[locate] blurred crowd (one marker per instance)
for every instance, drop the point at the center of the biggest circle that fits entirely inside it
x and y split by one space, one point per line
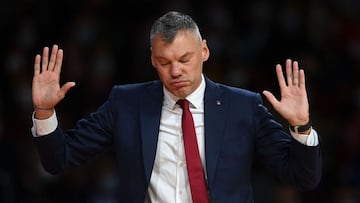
107 42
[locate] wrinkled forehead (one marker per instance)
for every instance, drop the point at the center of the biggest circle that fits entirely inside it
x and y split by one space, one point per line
183 44
183 35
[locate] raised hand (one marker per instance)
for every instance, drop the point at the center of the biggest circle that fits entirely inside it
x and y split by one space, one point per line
46 90
293 105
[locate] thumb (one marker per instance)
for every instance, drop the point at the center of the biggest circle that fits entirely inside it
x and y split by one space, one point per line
270 97
65 88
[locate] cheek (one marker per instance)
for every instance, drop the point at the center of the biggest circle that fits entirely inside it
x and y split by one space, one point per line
162 73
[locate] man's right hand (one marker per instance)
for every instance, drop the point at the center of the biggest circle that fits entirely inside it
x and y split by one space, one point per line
46 90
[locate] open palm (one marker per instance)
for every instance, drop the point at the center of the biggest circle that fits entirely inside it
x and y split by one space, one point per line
293 105
46 90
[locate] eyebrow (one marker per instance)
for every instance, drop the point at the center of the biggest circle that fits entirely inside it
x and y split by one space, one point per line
181 57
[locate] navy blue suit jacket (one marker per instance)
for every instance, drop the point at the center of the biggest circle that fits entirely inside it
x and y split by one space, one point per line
237 131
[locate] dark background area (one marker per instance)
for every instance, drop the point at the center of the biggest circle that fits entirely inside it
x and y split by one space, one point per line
107 42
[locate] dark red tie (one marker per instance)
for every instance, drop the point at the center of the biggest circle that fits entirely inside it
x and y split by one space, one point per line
195 170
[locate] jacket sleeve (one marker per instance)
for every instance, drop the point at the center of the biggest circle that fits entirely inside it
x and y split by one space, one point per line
286 158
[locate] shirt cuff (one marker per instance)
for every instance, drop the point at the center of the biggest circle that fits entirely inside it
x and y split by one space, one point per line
44 126
309 140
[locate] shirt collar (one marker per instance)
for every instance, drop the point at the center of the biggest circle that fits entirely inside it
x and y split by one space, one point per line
195 98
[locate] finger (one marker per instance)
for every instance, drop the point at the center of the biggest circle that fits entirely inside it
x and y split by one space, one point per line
53 57
289 74
65 88
280 76
37 65
295 73
45 59
302 79
59 59
271 98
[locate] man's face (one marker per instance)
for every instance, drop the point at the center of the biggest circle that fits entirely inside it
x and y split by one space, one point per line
179 64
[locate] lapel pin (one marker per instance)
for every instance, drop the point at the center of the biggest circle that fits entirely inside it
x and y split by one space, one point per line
218 102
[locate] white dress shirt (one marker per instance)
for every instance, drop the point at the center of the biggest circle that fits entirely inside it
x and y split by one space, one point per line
169 180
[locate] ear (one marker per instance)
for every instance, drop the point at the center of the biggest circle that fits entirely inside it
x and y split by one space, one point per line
152 58
205 51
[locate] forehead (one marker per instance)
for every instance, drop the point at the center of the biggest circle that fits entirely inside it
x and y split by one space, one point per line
184 42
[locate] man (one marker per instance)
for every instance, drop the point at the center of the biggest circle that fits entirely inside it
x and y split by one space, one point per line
142 122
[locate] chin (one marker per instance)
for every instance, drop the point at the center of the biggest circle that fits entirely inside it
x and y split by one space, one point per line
182 94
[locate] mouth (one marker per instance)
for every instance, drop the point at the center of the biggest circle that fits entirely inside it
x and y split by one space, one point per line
179 84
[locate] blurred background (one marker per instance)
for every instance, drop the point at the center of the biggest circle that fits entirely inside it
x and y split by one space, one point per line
107 42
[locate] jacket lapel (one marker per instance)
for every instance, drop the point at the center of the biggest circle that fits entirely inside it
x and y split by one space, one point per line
215 105
150 114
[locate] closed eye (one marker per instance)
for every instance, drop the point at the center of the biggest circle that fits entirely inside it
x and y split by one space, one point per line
164 64
184 61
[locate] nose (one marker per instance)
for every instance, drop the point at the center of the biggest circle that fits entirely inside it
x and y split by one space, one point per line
175 70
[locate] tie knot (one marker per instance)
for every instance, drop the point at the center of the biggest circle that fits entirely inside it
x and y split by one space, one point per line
184 104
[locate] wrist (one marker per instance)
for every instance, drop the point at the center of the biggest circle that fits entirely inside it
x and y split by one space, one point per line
43 113
301 129
43 108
